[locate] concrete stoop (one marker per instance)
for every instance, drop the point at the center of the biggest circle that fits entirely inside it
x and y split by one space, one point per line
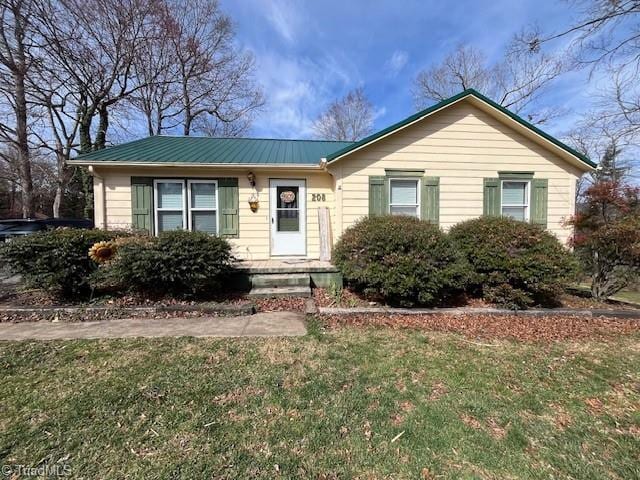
269 285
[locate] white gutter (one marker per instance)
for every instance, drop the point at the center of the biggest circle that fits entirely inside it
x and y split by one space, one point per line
232 166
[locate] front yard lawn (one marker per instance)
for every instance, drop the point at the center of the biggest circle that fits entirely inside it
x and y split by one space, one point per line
358 402
628 295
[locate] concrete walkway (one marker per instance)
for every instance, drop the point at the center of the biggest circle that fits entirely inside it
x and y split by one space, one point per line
272 324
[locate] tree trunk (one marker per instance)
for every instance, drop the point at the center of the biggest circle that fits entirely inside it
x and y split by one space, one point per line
22 141
187 122
597 278
149 123
61 177
103 126
158 121
12 200
86 146
84 128
57 200
187 108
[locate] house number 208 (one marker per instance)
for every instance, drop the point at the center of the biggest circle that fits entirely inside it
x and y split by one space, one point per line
318 197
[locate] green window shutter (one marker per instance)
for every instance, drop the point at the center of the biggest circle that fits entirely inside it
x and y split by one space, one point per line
491 197
377 196
539 194
228 198
142 204
430 200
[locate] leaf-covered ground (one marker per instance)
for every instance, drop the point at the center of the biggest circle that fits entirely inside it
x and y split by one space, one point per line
353 403
523 327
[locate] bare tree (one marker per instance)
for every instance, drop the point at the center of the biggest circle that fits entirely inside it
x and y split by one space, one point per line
608 146
605 32
15 62
58 135
348 119
96 43
217 91
91 46
69 68
156 72
192 75
605 37
515 82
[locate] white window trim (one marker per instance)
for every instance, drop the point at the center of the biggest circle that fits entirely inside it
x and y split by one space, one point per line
155 201
527 194
191 209
418 195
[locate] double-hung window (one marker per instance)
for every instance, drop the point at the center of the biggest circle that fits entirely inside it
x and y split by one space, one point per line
169 200
203 206
182 205
516 199
404 197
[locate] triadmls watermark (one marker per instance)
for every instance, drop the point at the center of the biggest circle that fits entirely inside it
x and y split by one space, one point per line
17 470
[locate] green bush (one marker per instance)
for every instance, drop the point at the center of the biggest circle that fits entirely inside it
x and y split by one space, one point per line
57 260
177 262
514 264
404 260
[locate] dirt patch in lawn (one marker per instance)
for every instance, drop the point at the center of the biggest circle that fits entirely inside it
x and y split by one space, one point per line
517 327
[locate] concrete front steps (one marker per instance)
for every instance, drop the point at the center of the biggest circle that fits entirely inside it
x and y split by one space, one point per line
269 285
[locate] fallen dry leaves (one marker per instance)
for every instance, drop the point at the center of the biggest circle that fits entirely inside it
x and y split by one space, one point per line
348 298
509 327
280 304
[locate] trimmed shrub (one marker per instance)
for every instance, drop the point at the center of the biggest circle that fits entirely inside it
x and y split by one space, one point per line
177 263
514 264
56 260
401 259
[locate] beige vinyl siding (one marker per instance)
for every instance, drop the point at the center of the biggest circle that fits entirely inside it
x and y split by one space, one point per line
254 228
462 145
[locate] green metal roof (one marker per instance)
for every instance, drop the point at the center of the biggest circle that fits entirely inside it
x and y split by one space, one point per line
208 150
267 151
449 101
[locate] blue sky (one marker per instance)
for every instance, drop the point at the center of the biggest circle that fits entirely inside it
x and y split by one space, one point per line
311 52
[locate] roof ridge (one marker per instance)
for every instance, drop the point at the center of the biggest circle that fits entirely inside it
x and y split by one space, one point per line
248 138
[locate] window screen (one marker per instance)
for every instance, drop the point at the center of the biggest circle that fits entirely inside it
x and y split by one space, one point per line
203 206
515 200
404 197
170 205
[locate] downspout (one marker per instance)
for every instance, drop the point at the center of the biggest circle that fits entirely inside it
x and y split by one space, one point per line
336 175
101 219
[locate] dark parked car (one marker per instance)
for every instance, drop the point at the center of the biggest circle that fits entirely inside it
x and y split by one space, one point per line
21 226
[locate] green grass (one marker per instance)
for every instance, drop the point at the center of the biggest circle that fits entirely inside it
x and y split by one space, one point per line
625 295
323 406
628 296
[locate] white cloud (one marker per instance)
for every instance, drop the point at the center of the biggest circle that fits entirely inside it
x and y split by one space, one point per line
379 112
397 61
297 89
284 18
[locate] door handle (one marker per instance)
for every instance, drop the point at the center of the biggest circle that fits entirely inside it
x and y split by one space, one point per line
272 220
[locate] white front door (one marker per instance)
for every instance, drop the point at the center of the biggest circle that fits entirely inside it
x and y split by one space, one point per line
288 217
